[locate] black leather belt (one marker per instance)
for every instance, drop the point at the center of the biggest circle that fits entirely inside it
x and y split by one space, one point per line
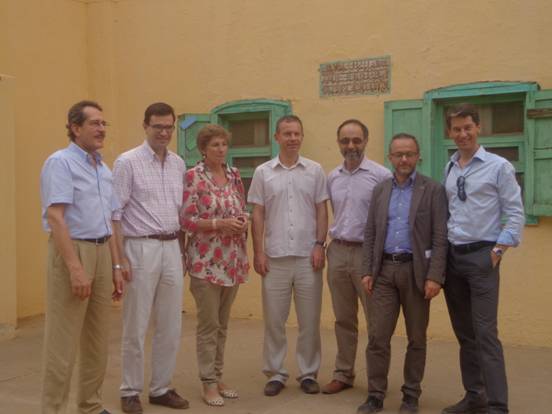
163 237
348 243
398 257
471 247
101 240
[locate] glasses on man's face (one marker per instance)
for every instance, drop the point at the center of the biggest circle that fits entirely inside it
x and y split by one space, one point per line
401 155
96 123
461 188
160 128
347 141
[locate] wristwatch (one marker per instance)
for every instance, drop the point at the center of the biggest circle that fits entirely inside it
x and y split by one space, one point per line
320 243
498 251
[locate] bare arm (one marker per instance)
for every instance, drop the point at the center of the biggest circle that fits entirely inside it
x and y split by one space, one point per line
317 255
80 281
260 261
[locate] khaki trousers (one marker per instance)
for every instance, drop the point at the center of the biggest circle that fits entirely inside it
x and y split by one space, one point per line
155 290
213 304
71 322
344 281
291 276
395 288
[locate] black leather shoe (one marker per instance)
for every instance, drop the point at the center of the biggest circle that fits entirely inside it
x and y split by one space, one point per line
372 405
310 386
409 405
273 388
467 406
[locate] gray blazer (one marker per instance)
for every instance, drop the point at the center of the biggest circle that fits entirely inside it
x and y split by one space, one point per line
428 230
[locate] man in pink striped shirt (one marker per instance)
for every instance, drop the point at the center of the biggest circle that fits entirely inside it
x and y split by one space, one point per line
149 181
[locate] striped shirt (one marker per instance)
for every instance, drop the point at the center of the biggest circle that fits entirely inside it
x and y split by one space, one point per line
149 191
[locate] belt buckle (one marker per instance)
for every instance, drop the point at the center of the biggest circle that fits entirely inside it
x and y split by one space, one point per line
395 257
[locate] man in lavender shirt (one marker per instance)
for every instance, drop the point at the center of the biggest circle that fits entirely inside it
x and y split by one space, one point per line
149 182
350 188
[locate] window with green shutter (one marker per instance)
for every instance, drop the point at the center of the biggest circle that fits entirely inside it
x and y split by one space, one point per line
252 124
516 121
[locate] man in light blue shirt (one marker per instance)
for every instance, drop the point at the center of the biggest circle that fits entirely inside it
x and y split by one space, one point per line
77 203
486 218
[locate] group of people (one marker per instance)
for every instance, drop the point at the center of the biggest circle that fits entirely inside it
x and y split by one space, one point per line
397 238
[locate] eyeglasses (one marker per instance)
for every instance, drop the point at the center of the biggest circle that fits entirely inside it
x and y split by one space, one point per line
347 141
96 123
400 155
158 128
461 184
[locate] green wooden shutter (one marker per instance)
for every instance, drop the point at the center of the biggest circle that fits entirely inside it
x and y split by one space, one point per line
538 195
409 116
188 128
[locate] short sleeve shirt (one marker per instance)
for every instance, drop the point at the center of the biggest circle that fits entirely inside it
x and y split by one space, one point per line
289 196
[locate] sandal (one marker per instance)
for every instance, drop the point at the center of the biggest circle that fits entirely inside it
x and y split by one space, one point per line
212 396
229 393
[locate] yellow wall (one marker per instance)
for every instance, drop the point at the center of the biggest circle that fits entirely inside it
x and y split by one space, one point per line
8 311
196 54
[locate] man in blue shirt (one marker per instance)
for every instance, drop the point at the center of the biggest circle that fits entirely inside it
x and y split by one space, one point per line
77 203
405 247
486 217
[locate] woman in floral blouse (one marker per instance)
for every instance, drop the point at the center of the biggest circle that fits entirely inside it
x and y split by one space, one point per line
215 218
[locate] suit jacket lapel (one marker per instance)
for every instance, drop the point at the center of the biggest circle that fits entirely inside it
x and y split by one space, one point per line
386 196
417 193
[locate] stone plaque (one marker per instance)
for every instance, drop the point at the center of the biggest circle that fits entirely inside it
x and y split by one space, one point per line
370 76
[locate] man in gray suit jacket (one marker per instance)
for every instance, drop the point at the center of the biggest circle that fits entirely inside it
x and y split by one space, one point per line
405 248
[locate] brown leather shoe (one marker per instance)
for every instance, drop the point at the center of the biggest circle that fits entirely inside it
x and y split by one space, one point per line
335 386
170 399
131 405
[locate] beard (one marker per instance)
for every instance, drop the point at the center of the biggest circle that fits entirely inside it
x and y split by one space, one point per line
352 155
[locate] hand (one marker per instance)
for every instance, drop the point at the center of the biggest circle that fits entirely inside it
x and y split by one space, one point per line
127 269
260 264
80 284
495 259
317 257
232 225
368 284
117 284
431 289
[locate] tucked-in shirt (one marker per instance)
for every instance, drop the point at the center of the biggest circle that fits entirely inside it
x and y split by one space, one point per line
493 198
212 255
70 177
397 237
289 196
350 194
149 190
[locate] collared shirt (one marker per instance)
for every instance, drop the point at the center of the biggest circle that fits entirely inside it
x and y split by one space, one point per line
397 238
289 196
69 177
493 195
214 256
150 191
350 194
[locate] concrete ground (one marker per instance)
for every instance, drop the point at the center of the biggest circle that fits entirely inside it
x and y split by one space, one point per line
529 374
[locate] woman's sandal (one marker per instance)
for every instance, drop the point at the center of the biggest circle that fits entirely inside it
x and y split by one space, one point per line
229 393
214 400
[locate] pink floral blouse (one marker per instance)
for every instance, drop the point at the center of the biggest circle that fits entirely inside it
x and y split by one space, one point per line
212 255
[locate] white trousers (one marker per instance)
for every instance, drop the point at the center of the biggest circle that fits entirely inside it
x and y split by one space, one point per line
291 276
156 289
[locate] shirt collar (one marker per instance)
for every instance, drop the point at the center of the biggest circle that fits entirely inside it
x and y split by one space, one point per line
75 149
276 162
481 154
409 181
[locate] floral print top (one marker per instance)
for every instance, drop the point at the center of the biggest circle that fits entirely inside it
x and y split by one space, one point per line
211 255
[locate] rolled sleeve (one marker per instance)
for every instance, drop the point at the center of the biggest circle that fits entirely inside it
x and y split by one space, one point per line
321 190
511 206
122 187
56 183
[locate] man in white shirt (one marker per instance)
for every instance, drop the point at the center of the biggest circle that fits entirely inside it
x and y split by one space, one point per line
290 221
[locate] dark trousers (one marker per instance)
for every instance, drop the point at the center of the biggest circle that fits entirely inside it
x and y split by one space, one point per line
394 288
471 291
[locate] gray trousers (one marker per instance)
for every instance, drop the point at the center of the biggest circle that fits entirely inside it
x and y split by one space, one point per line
344 273
471 291
394 288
